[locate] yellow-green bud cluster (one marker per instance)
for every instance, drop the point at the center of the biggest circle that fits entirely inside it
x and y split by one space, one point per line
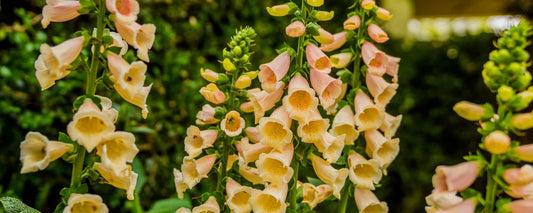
238 51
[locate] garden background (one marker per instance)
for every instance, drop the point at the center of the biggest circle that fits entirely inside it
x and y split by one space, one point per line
440 66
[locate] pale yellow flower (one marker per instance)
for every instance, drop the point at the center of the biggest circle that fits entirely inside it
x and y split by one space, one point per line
338 40
116 149
274 131
363 173
249 173
324 37
352 23
313 195
343 124
89 125
238 196
329 175
232 124
36 152
367 114
383 149
383 14
250 152
82 203
183 210
438 201
210 206
263 101
179 183
324 15
197 140
141 37
300 102
313 129
366 201
381 90
243 82
522 121
271 199
524 152
209 75
196 169
125 179
279 10
331 146
390 125
315 3
275 167
469 111
59 11
107 108
340 60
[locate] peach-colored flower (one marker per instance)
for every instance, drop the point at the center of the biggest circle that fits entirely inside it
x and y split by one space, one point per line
313 195
300 102
107 108
36 152
520 181
377 34
331 146
59 11
129 80
524 152
54 62
324 15
522 121
383 14
295 29
125 10
209 75
247 107
343 124
497 142
363 173
381 90
232 124
125 179
521 206
250 152
141 37
466 206
89 125
520 191
238 196
117 149
179 183
376 60
279 10
249 173
85 203
338 40
212 94
340 60
210 206
332 109
439 201
315 3
253 134
206 115
274 131
263 101
271 199
390 125
352 23
324 37
455 178
272 72
317 59
383 149
197 140
368 4
243 82
275 167
196 169
469 111
329 175
366 201
392 67
313 129
367 114
327 87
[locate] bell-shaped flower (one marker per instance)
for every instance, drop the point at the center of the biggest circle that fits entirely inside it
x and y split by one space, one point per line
327 87
521 206
317 59
253 134
179 183
295 29
332 109
363 173
141 37
129 81
313 129
524 152
366 201
275 130
85 203
206 115
210 206
232 124
455 178
197 140
125 179
313 195
376 60
125 10
338 40
238 196
340 60
243 82
381 90
275 167
324 37
466 206
392 67
439 201
520 191
250 152
368 4
329 175
315 3
249 173
352 23
263 101
469 111
324 15
390 125
212 94
209 75
54 62
89 125
343 124
520 181
383 14
522 121
117 149
367 115
36 152
195 169
300 102
59 11
271 199
272 72
497 142
383 149
279 10
330 146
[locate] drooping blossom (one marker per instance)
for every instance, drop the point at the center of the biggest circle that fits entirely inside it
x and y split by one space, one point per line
383 14
383 149
206 115
295 29
243 82
368 4
313 195
213 94
249 173
524 152
279 10
390 125
210 206
313 129
274 131
340 60
209 75
376 60
367 115
366 201
275 167
363 173
497 142
197 140
338 40
439 201
469 111
125 179
455 178
271 199
124 10
521 206
85 203
117 149
317 59
300 102
36 152
329 175
327 87
263 101
141 37
330 146
59 11
381 90
89 125
352 23
238 199
250 152
520 181
343 124
272 72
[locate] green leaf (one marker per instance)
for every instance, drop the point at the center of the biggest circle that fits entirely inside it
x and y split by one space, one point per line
65 138
141 178
142 129
170 205
14 205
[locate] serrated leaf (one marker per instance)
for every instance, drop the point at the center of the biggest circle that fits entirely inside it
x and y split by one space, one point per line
14 205
170 205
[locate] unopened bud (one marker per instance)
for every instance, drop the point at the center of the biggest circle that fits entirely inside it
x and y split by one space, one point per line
505 93
247 107
525 98
497 142
228 65
209 75
516 68
278 10
252 74
368 4
383 14
352 23
522 81
243 82
522 121
237 51
324 15
295 29
501 56
469 111
315 3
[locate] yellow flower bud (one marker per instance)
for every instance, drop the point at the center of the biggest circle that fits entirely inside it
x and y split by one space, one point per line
324 15
315 3
228 65
469 111
383 14
278 10
505 93
243 82
252 74
209 75
522 121
497 142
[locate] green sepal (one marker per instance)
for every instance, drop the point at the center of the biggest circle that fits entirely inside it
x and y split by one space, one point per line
220 112
472 193
87 6
312 28
502 205
222 79
79 101
292 7
489 112
345 75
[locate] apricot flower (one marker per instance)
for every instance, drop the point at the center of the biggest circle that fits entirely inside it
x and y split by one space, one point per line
271 199
352 23
249 173
295 29
524 152
89 125
313 195
383 14
125 179
141 37
327 87
232 124
390 125
381 90
521 206
212 94
367 114
324 37
383 149
275 167
455 178
313 129
272 72
263 101
196 169
376 60
274 131
250 152
238 196
125 10
331 146
338 40
36 152
343 124
209 75
197 140
85 203
329 175
363 173
116 149
59 11
210 206
366 201
300 102
206 115
317 59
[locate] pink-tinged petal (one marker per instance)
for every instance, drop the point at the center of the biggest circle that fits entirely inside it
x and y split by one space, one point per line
249 173
274 131
329 175
54 62
366 201
340 60
367 114
381 90
272 72
264 101
368 4
327 88
210 206
300 102
313 195
467 206
206 115
519 176
455 178
275 167
381 148
85 203
343 124
197 140
209 75
392 68
250 152
59 11
338 40
363 173
390 125
352 23
520 191
377 34
525 152
238 196
125 10
295 29
253 134
212 94
332 109
323 37
520 121
521 206
442 200
271 199
317 59
116 149
383 14
376 60
141 37
331 146
247 107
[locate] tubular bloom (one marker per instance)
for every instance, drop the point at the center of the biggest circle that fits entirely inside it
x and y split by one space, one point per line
343 124
455 178
125 10
368 202
271 199
313 195
295 29
89 125
317 59
376 60
390 125
525 152
85 203
238 196
300 102
329 175
331 146
197 140
497 142
232 124
363 173
381 148
279 10
312 130
275 167
520 181
274 131
340 60
206 115
36 152
263 101
249 173
352 23
381 90
324 37
210 206
272 72
251 152
328 88
324 15
141 37
367 115
212 94
338 40
59 11
125 179
209 75
116 149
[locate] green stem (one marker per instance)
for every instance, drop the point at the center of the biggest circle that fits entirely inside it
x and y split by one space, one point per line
294 192
356 82
345 195
75 181
491 185
301 42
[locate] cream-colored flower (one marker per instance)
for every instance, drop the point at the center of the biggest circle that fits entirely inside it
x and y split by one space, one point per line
332 109
438 201
390 125
206 115
238 196
179 183
107 107
129 81
274 131
383 149
116 149
195 169
363 173
381 90
209 75
367 114
343 124
81 203
232 124
89 125
54 62
324 15
197 140
253 134
383 14
243 82
331 146
524 152
36 152
313 195
141 37
300 102
315 3
271 199
271 73
250 152
264 101
210 206
275 167
340 60
125 10
329 175
59 11
469 111
313 129
125 179
368 202
249 173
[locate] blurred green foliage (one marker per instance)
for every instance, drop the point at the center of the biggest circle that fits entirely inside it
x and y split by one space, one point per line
190 35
